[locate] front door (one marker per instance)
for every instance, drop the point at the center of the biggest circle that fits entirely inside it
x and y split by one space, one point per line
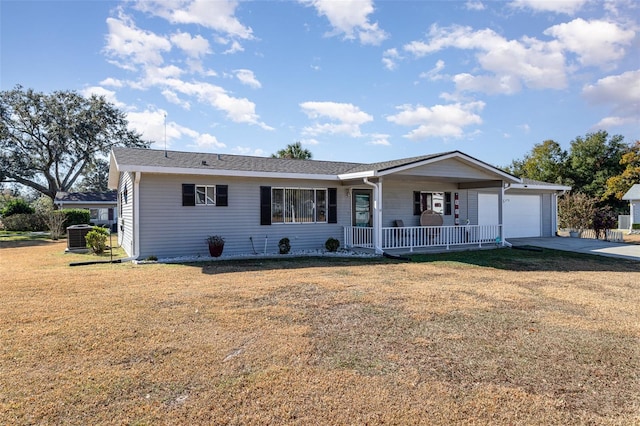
362 217
362 208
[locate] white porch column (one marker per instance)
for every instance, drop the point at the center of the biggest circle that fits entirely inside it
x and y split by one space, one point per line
377 214
500 210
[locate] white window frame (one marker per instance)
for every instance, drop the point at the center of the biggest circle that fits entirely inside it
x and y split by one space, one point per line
288 193
209 192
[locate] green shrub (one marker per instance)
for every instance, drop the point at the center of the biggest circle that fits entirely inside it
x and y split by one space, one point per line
635 226
17 206
97 240
332 244
24 222
284 246
76 217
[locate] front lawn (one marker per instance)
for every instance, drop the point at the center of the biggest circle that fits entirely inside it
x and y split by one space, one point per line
490 337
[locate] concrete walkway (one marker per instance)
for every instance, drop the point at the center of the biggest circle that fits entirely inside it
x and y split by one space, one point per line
582 245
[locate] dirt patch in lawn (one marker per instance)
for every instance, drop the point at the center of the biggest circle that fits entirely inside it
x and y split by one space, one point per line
319 341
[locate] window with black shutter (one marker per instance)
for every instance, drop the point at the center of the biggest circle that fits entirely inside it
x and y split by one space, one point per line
188 194
265 205
332 217
222 195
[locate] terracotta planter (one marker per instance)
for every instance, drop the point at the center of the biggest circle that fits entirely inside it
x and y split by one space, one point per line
215 250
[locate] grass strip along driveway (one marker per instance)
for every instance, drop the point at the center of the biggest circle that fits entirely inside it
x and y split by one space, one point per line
491 337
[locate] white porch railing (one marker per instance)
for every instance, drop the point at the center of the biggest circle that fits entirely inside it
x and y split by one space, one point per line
423 236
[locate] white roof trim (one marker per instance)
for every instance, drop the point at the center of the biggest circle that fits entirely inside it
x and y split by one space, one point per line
371 173
358 175
218 172
538 187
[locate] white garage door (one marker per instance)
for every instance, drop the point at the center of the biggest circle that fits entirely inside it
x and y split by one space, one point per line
522 216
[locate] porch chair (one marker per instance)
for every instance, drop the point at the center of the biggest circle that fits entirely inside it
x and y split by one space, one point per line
431 218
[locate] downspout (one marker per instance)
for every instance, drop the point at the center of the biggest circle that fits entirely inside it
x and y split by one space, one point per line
377 214
501 213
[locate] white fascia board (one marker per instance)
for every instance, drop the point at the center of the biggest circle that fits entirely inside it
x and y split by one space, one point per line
358 175
491 169
88 202
538 187
114 172
230 173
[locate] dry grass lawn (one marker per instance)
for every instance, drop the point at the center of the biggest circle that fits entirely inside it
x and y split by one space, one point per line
496 337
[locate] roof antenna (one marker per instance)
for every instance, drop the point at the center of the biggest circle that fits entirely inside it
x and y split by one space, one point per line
165 135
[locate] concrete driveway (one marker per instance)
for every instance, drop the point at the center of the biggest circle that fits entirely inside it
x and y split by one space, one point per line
582 245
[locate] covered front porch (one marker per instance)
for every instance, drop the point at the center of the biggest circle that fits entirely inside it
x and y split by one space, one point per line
420 237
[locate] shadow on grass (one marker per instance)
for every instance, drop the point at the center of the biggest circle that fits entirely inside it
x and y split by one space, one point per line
227 266
533 259
507 259
17 243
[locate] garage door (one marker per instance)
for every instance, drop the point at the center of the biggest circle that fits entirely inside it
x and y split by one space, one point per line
522 216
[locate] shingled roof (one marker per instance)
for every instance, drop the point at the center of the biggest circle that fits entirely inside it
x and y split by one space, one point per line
86 197
159 161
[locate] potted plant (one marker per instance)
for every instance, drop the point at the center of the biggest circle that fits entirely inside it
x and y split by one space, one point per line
216 245
284 246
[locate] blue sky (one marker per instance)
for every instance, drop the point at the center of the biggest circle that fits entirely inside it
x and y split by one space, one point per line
358 81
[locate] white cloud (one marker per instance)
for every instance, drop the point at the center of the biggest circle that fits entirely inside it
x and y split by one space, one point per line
474 5
622 92
309 142
512 63
557 6
154 126
109 95
245 150
434 73
217 15
194 47
112 82
344 118
207 141
247 77
351 18
595 42
439 120
173 97
131 45
379 139
389 59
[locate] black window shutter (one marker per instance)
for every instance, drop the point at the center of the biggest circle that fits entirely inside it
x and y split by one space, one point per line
447 203
417 205
333 205
222 195
188 194
110 213
265 205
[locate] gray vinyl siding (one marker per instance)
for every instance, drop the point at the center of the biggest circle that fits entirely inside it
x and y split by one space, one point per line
125 220
546 215
451 168
398 200
168 229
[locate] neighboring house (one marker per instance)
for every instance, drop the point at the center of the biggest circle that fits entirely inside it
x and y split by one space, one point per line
102 206
633 196
169 202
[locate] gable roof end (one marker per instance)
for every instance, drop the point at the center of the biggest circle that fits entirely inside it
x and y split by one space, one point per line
633 193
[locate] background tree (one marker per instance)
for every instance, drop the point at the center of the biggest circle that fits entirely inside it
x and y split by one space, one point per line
618 185
546 163
96 177
293 151
594 159
47 141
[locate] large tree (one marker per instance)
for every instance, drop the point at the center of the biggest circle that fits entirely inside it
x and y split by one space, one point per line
618 185
546 163
96 177
47 141
294 150
594 159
